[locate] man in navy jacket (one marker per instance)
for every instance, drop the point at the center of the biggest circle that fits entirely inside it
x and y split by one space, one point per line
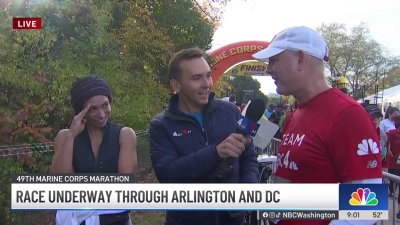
196 134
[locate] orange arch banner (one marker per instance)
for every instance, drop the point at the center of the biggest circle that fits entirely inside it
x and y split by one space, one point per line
229 55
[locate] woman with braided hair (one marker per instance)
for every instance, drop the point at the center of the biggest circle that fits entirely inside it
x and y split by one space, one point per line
93 144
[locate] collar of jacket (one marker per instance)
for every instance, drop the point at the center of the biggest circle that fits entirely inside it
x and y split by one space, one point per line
173 111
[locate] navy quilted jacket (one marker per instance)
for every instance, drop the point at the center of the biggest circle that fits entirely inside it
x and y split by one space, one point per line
184 152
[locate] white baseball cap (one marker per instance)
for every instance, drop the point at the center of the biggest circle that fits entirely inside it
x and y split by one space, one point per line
296 38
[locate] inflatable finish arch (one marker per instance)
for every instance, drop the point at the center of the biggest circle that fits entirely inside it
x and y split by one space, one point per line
229 55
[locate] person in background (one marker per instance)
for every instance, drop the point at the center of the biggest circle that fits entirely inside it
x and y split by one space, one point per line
232 99
196 135
285 111
328 126
376 115
242 106
281 111
93 144
393 158
386 108
269 111
387 125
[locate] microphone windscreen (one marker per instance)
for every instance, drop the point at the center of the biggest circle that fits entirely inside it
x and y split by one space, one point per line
255 110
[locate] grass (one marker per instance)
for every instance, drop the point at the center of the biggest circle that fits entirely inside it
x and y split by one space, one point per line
148 217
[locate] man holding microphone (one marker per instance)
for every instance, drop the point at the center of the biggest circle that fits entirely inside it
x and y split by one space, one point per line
195 139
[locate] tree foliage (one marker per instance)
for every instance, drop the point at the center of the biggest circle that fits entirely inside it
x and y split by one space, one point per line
182 25
128 43
356 55
245 88
392 79
224 86
211 9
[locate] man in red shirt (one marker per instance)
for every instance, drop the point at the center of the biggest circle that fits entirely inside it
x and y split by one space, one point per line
330 138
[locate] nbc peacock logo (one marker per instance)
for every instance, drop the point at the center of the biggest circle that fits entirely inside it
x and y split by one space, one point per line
366 146
363 197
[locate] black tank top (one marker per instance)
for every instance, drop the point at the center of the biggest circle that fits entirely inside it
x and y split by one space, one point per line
107 162
108 155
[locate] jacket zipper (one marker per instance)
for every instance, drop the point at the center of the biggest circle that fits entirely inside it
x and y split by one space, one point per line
205 135
203 128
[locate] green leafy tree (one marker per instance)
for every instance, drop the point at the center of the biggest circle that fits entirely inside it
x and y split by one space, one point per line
356 55
245 88
183 25
392 79
128 43
211 9
223 87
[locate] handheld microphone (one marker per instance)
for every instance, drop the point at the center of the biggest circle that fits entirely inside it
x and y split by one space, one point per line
255 110
246 125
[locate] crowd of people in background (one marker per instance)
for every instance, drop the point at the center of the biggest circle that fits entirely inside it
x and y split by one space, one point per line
390 144
277 114
387 128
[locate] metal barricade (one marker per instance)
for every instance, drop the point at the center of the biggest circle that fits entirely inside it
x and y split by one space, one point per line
393 206
267 167
267 160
